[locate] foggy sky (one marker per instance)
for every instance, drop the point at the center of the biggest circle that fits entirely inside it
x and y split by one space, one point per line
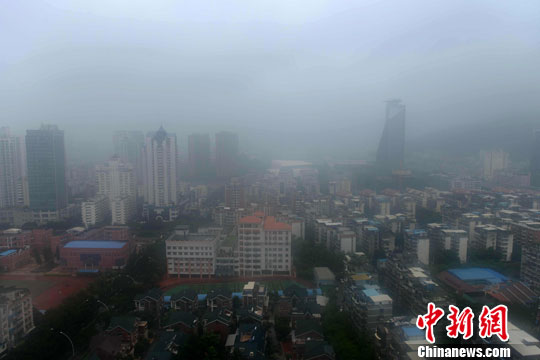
295 79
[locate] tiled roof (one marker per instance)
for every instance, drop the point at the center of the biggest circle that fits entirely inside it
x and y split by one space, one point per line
270 223
250 220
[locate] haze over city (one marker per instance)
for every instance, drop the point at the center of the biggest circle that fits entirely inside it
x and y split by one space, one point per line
267 71
266 180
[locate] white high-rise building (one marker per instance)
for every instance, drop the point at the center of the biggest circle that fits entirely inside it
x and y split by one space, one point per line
13 187
494 160
117 181
159 159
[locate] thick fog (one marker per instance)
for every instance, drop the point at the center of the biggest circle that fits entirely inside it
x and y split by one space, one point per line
295 79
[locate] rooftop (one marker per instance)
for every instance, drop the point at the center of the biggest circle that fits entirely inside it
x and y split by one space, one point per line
89 244
8 252
250 220
476 274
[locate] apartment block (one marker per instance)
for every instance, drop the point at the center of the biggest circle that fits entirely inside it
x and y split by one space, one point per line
95 211
191 254
16 317
264 246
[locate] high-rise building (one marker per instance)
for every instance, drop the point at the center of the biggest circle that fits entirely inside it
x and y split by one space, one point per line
128 147
494 161
391 151
235 195
116 181
13 190
160 168
226 154
16 316
46 163
199 155
115 178
535 160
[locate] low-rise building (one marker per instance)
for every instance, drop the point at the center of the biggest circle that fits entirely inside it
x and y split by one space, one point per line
323 276
191 254
87 255
95 211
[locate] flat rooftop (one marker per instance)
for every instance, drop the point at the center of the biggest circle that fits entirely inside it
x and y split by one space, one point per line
89 244
476 274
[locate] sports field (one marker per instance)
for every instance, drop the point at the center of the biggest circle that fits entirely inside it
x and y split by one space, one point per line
47 291
233 286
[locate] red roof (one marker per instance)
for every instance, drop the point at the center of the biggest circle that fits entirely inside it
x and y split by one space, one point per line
258 214
270 223
250 220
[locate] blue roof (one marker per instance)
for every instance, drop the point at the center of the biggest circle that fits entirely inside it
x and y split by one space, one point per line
90 271
201 297
412 332
87 244
236 294
371 292
280 292
8 252
167 298
475 274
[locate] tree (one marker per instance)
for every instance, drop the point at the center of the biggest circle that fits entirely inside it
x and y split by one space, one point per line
282 328
47 255
36 255
205 347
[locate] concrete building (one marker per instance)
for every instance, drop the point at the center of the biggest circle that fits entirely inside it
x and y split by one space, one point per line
14 258
122 210
15 238
16 316
411 287
199 156
416 242
13 186
494 237
46 164
442 238
235 194
264 246
323 276
160 158
493 161
117 181
457 241
226 154
128 147
191 255
95 211
368 305
527 236
535 160
391 150
88 255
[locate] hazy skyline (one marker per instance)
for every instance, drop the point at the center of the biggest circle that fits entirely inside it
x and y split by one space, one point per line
313 75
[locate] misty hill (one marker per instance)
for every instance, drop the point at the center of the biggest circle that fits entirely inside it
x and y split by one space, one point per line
514 137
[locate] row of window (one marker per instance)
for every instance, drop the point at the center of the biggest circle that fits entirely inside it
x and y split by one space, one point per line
196 253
